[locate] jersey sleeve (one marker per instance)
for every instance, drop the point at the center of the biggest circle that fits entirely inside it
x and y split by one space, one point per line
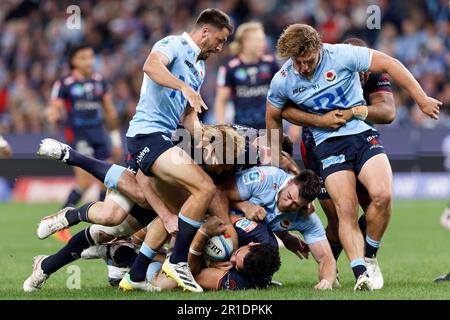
168 46
225 77
276 95
354 58
58 91
312 229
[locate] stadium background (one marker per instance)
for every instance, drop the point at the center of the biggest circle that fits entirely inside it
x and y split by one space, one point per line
34 41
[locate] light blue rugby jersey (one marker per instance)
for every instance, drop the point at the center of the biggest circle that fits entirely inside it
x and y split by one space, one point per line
334 85
260 186
160 108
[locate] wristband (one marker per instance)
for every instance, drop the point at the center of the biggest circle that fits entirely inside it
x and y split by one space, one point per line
360 112
195 252
116 139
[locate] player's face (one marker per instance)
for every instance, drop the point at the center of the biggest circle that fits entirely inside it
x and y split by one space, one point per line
237 258
212 42
306 63
289 199
83 61
254 42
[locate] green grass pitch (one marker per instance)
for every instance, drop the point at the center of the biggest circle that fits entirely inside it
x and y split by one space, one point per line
414 251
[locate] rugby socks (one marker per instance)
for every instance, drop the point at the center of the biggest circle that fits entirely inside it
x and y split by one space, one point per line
153 268
187 228
139 269
95 167
75 216
124 256
336 248
358 266
363 224
371 247
74 196
69 253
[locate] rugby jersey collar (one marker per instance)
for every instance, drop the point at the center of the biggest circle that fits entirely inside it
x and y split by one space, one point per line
191 43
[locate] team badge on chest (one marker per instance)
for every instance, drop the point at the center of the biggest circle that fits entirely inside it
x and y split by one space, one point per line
330 76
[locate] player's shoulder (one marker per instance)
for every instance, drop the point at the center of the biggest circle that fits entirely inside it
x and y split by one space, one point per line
66 80
336 49
283 73
170 40
97 77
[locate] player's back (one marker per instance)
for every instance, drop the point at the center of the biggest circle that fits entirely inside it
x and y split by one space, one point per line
160 108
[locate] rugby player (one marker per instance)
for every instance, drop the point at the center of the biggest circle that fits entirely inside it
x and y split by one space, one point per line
381 110
86 99
245 77
322 77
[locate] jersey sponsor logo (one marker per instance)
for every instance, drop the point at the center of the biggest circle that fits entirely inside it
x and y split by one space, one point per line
142 154
240 74
77 90
298 90
251 92
330 75
333 160
253 177
246 225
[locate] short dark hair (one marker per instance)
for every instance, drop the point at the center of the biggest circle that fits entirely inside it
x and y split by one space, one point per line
260 263
287 145
216 18
309 185
355 42
74 49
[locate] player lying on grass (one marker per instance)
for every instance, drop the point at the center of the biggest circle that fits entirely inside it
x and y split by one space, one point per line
250 266
322 77
381 110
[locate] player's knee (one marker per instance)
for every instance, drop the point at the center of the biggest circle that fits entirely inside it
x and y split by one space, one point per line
346 208
206 188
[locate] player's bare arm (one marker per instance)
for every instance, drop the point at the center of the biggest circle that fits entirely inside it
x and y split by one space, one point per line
274 128
321 252
382 63
156 68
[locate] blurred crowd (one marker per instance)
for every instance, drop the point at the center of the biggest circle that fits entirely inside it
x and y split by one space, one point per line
34 40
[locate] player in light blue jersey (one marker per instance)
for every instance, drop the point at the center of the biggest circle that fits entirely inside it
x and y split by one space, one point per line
286 200
322 77
173 74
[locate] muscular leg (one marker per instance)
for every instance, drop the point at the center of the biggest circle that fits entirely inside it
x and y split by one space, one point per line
341 188
332 229
376 176
176 167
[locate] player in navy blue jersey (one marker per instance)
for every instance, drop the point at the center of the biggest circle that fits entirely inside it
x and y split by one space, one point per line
84 100
245 78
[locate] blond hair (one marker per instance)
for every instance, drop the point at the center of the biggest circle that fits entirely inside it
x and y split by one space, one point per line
224 139
241 31
297 39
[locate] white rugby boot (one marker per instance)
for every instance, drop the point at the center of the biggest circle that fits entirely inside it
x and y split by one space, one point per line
127 285
37 278
52 224
373 269
181 274
53 149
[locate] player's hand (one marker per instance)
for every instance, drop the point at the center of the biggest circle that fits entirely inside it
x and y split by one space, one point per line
333 119
431 107
194 99
255 212
310 208
170 222
213 226
324 284
297 246
288 164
